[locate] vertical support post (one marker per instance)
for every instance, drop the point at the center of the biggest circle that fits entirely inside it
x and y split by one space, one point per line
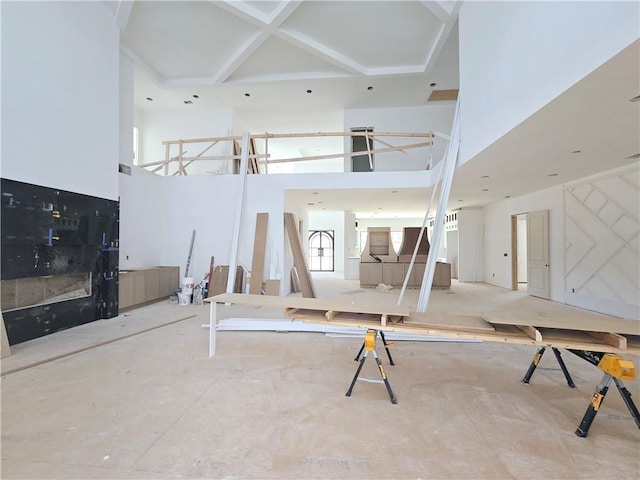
266 152
233 260
212 327
449 167
167 157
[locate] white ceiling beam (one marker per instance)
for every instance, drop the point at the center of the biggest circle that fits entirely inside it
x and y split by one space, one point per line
250 46
242 10
322 51
123 13
441 39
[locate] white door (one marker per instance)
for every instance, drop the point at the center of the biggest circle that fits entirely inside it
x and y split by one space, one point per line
538 254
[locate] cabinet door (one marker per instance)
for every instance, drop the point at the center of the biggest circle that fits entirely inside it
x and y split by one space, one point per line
393 274
151 284
125 290
370 274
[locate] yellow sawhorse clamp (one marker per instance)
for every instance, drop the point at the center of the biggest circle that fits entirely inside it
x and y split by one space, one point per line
615 369
370 346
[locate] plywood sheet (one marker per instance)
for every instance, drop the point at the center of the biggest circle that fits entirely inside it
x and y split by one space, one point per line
441 320
259 248
584 322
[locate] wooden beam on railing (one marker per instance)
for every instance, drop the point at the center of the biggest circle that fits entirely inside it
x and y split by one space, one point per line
343 134
347 154
387 144
201 140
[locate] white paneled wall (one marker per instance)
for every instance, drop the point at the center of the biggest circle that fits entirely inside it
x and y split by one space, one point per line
602 255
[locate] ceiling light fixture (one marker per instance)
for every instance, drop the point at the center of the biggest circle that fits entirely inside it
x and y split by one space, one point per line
188 102
314 193
484 176
635 99
507 196
308 91
247 94
195 96
552 175
394 191
485 189
577 151
433 84
369 88
150 99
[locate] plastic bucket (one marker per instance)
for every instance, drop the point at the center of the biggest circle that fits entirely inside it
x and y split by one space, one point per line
184 298
187 285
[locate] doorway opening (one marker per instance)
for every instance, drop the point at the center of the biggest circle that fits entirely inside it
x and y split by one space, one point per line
321 251
360 143
519 279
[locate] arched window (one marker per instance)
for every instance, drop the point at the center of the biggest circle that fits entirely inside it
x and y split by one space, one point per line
321 251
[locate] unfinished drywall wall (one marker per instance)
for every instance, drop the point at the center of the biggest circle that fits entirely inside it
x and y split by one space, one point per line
497 237
145 220
126 110
471 226
532 52
602 243
437 117
60 100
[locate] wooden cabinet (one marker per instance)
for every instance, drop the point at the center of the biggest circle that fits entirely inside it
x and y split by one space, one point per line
370 274
138 286
392 273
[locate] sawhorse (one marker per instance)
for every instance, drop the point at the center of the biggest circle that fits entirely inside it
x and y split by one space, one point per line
614 367
386 347
370 346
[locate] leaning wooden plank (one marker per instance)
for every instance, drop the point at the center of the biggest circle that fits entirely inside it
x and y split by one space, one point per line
531 332
5 348
259 248
585 322
299 259
613 339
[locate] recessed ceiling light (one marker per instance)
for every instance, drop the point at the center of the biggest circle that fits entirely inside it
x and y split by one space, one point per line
379 208
310 204
369 88
433 84
635 99
195 96
507 196
552 175
459 200
247 94
150 99
320 202
314 193
577 151
188 102
484 176
394 191
308 91
485 189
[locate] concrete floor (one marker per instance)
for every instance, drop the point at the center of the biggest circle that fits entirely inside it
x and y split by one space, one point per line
272 405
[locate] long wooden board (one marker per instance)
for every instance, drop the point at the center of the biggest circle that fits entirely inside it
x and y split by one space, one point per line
298 256
259 249
584 322
367 315
465 322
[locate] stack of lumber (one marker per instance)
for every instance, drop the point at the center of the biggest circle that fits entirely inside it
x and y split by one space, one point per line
580 331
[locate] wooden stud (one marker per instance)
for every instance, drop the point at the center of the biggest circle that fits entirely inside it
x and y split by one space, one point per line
612 339
330 315
531 332
383 320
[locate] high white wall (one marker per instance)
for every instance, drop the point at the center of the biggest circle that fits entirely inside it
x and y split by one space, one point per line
515 57
436 117
60 103
126 110
471 227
